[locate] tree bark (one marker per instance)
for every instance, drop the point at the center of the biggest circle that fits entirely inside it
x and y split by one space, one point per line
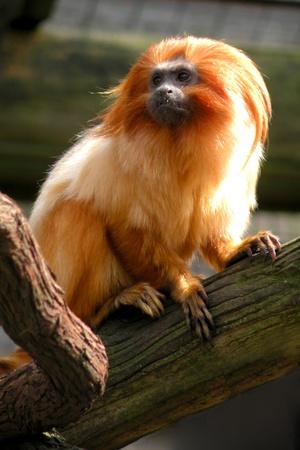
72 362
158 372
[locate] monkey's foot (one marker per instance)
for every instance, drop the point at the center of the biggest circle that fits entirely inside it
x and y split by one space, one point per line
263 242
193 298
142 296
198 317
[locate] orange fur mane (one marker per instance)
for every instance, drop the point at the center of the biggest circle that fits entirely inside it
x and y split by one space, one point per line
222 69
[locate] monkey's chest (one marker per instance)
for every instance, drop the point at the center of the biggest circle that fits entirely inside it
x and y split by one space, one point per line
169 222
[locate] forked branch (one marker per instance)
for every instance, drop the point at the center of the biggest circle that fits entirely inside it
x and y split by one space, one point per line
72 362
158 371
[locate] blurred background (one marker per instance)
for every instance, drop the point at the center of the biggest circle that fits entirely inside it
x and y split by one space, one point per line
55 58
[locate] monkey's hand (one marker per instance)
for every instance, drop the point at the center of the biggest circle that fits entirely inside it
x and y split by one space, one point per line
263 242
142 296
193 298
147 258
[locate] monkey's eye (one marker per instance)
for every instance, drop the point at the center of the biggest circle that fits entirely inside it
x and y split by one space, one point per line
156 80
183 76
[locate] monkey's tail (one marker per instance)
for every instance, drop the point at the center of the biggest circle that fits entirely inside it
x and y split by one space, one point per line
11 362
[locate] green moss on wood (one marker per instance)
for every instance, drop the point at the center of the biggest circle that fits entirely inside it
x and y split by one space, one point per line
160 373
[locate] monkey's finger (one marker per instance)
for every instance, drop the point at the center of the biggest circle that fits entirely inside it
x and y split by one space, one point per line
275 241
189 318
203 295
273 244
261 247
192 322
209 318
157 302
198 319
198 329
150 298
249 251
146 309
269 246
196 304
204 315
155 310
202 327
154 296
204 308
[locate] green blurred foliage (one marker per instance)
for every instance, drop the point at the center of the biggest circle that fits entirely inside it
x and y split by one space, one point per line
48 91
280 181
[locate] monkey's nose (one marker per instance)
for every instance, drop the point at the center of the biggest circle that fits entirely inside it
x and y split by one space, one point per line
164 96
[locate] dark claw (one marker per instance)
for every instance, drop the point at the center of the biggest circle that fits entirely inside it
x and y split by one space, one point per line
188 318
198 317
276 242
264 243
209 318
203 295
197 329
269 247
204 329
249 251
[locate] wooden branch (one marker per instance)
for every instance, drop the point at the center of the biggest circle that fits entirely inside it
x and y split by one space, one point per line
159 373
72 363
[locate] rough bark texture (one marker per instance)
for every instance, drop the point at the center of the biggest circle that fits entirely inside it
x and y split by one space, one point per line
159 373
72 362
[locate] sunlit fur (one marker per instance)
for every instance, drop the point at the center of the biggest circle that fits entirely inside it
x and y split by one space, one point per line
190 188
133 200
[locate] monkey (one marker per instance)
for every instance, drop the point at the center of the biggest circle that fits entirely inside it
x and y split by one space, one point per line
169 170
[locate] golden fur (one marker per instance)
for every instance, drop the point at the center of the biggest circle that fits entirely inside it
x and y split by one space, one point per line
124 210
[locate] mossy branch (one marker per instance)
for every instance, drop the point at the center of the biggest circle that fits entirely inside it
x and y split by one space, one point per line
158 372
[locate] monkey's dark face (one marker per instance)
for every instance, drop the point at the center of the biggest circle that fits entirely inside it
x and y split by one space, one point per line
168 103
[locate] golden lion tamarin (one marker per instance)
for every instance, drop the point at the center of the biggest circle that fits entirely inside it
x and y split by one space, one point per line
171 170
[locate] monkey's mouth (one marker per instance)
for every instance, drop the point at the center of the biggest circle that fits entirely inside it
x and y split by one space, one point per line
170 113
